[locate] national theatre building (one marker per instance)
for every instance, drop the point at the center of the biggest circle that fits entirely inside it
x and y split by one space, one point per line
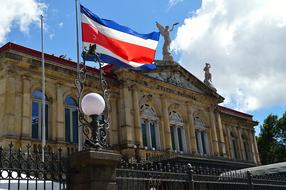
166 113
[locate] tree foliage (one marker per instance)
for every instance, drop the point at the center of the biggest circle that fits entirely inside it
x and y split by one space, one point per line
272 139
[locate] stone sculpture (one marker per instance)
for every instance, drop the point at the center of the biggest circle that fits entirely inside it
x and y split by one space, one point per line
208 76
165 32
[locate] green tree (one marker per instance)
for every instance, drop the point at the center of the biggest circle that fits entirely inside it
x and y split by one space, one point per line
281 130
271 140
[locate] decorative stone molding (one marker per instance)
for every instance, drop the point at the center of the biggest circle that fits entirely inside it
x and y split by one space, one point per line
175 119
199 124
148 111
26 77
11 70
145 99
174 106
175 79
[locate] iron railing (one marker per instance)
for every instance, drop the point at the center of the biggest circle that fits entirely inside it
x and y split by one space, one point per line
133 175
24 169
151 176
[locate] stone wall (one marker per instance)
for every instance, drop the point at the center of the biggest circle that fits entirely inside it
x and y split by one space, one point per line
20 74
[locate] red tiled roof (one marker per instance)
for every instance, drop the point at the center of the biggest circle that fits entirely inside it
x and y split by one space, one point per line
38 54
235 112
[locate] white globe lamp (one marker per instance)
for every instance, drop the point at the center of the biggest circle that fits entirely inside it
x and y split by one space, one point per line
92 104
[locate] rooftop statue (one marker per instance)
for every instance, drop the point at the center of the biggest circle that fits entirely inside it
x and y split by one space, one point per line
208 76
165 32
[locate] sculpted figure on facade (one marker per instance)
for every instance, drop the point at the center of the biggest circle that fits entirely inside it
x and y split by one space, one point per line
165 32
208 76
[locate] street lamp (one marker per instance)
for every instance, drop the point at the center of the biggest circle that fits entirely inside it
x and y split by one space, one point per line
92 105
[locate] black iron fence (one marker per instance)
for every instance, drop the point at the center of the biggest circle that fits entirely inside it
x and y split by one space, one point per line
24 169
132 175
152 176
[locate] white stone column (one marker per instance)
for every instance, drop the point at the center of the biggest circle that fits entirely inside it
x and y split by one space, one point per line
255 146
230 147
113 130
239 143
2 102
221 136
214 134
167 130
26 108
60 116
126 116
187 132
252 146
52 107
192 132
9 119
137 122
18 108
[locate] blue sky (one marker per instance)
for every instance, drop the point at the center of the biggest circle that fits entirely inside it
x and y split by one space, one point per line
139 15
202 36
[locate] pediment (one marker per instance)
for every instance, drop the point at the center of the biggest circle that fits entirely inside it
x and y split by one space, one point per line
175 74
176 79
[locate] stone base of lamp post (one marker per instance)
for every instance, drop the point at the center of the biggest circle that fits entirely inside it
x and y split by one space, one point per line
92 170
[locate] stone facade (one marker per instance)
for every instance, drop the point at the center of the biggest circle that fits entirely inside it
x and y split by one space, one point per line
164 112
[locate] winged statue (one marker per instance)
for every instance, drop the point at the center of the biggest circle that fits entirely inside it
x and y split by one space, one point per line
165 32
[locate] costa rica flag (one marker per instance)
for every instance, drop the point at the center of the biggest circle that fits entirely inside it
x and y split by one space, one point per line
117 44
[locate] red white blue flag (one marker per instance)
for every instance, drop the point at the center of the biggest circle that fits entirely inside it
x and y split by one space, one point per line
117 44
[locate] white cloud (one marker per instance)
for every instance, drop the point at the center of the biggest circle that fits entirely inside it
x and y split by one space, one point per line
52 35
19 13
245 43
61 24
174 2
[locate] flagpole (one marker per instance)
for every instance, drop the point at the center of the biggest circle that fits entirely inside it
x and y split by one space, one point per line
43 94
77 71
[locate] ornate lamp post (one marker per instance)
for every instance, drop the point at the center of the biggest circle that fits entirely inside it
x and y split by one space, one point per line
92 105
94 167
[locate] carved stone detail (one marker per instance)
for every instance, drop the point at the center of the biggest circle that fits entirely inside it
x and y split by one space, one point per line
174 106
11 70
199 124
175 118
145 99
147 111
175 79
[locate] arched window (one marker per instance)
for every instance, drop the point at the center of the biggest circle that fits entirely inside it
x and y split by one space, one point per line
37 115
177 132
234 146
245 143
201 136
71 120
149 128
